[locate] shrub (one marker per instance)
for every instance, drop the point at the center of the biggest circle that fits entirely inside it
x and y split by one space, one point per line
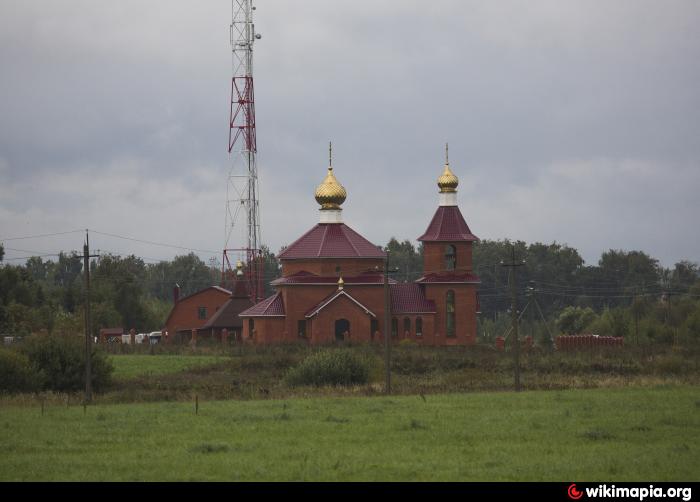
330 367
16 372
60 360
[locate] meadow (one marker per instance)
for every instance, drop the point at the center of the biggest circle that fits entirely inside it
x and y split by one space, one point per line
244 373
632 434
140 365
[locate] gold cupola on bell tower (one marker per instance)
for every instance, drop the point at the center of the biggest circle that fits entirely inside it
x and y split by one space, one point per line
330 194
447 182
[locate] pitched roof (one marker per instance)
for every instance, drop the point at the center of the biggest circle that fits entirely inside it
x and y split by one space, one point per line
331 298
449 278
227 315
307 278
331 240
448 225
272 306
409 298
216 288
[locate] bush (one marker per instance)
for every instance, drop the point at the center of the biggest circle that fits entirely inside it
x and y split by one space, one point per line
330 367
16 372
60 361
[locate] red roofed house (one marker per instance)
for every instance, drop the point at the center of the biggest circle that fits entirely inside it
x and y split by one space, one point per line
332 284
207 312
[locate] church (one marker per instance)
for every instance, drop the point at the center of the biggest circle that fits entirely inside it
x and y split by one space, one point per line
332 286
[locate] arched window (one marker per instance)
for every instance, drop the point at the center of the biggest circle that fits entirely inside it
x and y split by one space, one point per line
450 325
450 257
251 327
419 326
394 327
406 326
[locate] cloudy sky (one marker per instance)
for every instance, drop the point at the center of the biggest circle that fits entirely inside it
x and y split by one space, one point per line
568 121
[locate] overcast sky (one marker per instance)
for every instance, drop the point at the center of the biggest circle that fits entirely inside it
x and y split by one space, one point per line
568 121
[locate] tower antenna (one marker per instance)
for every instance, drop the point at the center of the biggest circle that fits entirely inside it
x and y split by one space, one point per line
242 203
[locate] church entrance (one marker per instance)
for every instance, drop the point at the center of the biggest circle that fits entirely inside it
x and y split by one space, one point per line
342 329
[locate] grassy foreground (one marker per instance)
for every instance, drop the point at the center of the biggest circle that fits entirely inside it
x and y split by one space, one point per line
134 365
573 435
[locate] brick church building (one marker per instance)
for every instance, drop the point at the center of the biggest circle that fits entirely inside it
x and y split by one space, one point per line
332 284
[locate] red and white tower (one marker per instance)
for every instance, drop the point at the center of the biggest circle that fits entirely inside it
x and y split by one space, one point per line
243 238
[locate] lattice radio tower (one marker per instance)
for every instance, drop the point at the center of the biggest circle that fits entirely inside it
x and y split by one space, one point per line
242 205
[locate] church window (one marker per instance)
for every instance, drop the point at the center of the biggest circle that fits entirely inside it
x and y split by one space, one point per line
450 257
450 326
419 326
202 313
373 328
301 328
394 327
406 326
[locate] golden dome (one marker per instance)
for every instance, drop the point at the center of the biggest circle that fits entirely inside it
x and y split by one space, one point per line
447 181
330 194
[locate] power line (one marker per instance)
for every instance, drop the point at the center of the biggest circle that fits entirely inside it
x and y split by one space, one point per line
153 243
40 235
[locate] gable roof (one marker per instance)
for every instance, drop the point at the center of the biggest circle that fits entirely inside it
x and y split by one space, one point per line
227 315
330 299
272 306
216 288
409 298
448 225
331 240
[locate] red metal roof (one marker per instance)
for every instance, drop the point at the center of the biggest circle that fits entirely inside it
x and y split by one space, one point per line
448 225
449 278
409 298
304 277
269 307
331 240
330 298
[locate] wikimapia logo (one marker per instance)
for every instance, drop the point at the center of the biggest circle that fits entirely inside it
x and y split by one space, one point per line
605 491
573 493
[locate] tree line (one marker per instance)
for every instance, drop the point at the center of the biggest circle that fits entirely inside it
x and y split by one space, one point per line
626 292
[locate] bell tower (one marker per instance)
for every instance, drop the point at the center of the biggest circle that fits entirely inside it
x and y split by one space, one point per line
448 277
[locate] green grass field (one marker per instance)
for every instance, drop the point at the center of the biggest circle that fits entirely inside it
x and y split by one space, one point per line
131 366
640 434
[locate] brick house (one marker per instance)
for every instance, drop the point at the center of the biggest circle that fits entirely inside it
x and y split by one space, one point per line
332 284
207 312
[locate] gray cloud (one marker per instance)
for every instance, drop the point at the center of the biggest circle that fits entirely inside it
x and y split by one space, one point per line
569 121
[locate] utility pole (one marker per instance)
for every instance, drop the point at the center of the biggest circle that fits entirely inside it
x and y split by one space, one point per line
636 315
387 327
88 327
514 315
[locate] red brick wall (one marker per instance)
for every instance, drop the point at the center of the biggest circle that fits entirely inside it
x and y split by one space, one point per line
266 330
327 267
299 299
323 325
184 315
465 313
434 257
428 328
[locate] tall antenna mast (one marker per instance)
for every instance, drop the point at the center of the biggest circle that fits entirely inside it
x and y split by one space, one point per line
242 205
